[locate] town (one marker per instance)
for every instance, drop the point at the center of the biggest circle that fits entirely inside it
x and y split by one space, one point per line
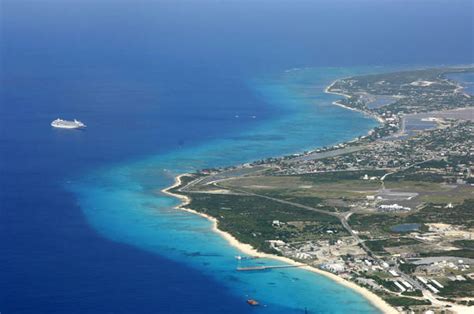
390 211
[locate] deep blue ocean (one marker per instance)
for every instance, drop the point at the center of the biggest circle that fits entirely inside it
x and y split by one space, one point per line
167 87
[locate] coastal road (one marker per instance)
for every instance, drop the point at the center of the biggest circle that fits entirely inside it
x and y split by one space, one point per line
343 218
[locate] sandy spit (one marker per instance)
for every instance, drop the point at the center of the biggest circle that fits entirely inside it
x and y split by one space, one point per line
337 103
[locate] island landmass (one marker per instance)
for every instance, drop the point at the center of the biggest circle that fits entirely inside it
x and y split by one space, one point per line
388 214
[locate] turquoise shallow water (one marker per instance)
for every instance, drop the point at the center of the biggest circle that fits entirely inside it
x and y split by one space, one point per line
466 80
123 202
158 83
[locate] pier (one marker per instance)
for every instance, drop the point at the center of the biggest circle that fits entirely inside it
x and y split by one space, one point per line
256 268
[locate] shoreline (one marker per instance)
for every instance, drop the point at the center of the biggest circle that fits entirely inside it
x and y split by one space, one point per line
374 299
336 103
247 249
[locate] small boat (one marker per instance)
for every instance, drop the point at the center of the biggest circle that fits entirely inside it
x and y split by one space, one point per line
252 302
240 257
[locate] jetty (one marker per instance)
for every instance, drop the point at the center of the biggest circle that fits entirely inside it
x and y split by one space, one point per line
263 267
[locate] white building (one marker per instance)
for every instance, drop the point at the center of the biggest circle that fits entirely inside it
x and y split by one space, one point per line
393 207
393 273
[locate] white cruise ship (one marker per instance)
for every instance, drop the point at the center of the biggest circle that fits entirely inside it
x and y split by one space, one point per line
65 124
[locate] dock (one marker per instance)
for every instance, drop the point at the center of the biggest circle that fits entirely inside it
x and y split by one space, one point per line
256 268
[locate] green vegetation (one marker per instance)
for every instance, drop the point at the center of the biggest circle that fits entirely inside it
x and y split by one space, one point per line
454 196
307 190
387 284
458 289
403 301
439 94
379 223
416 176
458 253
337 176
464 244
291 196
407 268
249 219
414 293
184 180
377 246
426 172
459 215
468 303
414 186
432 213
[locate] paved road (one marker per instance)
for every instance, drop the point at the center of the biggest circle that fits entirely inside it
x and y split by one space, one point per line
343 217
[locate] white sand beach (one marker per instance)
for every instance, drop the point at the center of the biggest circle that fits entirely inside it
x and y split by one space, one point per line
337 103
249 250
